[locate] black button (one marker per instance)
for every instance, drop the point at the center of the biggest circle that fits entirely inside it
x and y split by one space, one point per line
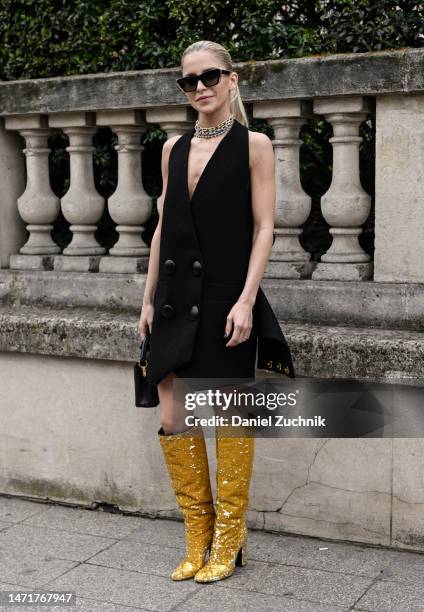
197 268
167 311
170 266
194 313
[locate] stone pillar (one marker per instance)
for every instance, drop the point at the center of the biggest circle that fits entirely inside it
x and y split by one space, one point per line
12 181
345 206
129 206
82 205
399 192
38 205
288 259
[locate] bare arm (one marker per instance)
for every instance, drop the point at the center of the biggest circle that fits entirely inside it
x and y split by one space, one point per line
262 175
147 310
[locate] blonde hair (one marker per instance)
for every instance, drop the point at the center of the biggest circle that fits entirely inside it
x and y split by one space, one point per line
223 56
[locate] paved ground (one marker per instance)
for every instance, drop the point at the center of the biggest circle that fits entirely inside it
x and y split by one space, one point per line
119 563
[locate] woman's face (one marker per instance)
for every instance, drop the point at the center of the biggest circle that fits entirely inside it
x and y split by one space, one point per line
213 97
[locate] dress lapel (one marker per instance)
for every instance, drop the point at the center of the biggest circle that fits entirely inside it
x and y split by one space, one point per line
220 147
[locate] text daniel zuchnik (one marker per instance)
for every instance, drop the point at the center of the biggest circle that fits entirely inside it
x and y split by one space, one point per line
276 420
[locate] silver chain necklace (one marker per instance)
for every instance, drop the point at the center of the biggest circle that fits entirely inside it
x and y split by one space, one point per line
215 130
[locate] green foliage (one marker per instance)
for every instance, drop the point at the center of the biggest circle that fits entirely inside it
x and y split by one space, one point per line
42 38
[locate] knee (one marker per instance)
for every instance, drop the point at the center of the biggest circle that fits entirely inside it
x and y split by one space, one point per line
167 424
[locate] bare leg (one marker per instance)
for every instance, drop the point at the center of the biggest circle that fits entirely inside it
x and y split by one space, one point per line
171 391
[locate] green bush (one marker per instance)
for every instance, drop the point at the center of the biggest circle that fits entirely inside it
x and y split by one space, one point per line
42 38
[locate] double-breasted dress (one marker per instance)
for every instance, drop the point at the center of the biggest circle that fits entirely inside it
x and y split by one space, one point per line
205 247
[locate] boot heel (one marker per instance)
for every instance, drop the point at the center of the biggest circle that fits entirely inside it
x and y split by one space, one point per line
241 558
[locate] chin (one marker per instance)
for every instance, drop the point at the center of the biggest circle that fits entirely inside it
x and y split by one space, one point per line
207 109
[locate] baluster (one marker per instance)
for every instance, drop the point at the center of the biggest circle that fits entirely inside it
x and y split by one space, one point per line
345 206
81 205
38 206
129 206
288 259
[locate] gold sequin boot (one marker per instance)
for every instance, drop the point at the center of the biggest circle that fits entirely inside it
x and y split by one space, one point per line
187 463
233 473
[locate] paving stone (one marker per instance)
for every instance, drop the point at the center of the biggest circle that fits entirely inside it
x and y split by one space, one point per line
81 603
140 557
125 587
299 583
160 532
404 567
90 605
85 521
5 525
305 552
14 510
24 568
51 542
211 598
389 596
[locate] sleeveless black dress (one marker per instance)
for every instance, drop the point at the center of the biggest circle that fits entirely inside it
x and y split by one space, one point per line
203 261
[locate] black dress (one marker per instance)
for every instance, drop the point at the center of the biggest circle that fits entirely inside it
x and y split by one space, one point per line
203 261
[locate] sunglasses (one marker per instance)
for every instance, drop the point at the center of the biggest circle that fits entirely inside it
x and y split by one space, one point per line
208 78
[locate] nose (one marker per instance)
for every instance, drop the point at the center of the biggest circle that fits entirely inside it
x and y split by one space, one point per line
202 87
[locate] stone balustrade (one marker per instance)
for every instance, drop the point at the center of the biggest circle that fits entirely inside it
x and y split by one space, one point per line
385 85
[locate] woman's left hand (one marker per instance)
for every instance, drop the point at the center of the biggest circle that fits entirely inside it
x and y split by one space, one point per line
239 320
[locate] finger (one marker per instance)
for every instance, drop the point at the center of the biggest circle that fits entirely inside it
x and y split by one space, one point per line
243 335
228 326
142 330
236 337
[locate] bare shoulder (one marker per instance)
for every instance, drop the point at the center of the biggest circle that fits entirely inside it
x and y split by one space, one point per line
169 143
166 149
260 148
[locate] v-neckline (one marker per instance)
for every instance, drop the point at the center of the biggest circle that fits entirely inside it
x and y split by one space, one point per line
208 163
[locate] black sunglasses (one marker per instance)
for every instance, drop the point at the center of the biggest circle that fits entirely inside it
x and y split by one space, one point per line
208 78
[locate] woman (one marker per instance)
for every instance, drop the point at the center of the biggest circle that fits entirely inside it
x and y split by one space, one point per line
203 305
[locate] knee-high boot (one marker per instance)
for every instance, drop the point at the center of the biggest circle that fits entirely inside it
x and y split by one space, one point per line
233 474
187 462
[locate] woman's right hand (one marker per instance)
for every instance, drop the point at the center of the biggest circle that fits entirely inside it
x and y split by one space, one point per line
146 319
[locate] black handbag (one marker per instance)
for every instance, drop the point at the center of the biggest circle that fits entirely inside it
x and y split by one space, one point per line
146 394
